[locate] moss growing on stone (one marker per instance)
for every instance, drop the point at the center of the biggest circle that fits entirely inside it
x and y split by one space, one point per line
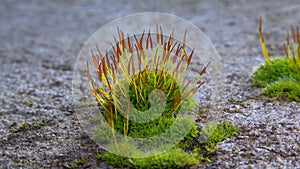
174 159
145 104
181 156
81 161
281 76
285 90
277 70
25 126
215 134
281 79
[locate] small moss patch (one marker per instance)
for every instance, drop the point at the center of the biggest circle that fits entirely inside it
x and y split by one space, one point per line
277 70
288 90
281 78
215 134
79 163
188 152
25 126
174 159
29 126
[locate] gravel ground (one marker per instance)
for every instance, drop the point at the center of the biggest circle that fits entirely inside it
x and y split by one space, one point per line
40 41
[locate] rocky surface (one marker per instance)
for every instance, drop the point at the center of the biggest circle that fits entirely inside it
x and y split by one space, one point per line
40 41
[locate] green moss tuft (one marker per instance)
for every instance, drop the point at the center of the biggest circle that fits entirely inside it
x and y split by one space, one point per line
278 70
152 81
188 152
284 91
215 134
25 126
148 104
81 161
29 126
281 78
174 159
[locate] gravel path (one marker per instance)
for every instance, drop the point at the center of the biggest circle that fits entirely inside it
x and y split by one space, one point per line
40 41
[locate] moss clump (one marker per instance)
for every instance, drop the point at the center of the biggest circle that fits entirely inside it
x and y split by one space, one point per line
159 140
174 159
277 70
152 81
29 126
25 126
215 134
171 89
281 78
285 90
144 102
188 152
81 161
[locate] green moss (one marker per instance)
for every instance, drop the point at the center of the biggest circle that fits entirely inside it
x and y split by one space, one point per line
187 153
25 126
151 81
160 80
184 126
215 134
144 111
81 161
41 124
141 102
277 70
29 126
281 78
174 159
285 90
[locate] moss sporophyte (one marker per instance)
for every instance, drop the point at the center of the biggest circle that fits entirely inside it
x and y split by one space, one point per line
280 76
140 88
